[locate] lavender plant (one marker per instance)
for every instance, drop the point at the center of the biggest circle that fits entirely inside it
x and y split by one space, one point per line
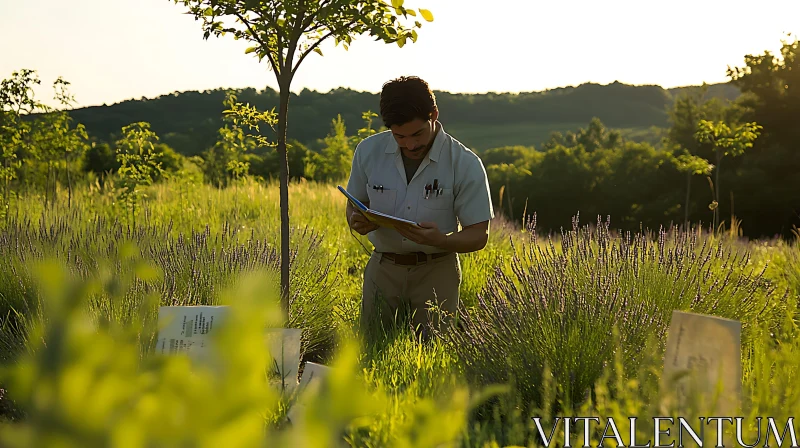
558 307
187 269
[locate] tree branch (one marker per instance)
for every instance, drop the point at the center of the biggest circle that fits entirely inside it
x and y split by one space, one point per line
316 44
260 42
310 19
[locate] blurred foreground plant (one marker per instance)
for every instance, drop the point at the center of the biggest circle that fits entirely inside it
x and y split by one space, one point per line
86 383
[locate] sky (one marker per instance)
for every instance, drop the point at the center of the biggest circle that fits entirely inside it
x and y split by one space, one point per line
114 50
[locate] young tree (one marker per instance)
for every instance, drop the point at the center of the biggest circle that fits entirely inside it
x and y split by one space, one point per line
139 164
226 159
58 141
726 141
16 100
285 32
333 161
367 130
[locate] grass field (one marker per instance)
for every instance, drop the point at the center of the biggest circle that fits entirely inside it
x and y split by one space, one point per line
563 326
481 138
484 137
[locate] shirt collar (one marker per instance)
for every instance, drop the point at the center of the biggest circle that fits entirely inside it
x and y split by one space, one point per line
436 148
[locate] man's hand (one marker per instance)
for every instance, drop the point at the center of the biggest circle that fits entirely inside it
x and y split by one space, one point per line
428 235
359 222
470 239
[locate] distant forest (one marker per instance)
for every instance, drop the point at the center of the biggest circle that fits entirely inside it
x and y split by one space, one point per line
189 121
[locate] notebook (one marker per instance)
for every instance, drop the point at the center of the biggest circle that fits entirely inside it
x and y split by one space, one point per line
381 219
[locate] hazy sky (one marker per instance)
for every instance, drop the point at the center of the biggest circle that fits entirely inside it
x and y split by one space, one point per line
113 50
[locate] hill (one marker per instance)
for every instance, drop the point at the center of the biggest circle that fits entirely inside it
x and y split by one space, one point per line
188 121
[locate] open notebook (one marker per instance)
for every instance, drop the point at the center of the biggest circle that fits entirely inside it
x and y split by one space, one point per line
381 219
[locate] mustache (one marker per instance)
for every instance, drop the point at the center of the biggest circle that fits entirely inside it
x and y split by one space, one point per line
417 149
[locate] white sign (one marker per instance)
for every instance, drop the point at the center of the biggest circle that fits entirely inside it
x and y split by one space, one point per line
310 383
186 329
708 348
284 348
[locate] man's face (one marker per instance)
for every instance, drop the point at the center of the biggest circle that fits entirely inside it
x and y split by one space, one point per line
414 137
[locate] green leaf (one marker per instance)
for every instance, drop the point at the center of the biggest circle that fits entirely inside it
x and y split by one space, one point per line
426 15
411 12
397 3
401 42
208 11
250 50
318 51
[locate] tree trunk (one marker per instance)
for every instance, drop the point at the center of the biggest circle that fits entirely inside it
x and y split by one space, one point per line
716 181
510 208
47 185
6 201
69 184
688 192
283 112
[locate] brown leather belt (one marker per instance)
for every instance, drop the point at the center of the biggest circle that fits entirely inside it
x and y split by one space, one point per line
412 259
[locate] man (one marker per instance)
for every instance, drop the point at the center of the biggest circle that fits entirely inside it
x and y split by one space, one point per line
416 171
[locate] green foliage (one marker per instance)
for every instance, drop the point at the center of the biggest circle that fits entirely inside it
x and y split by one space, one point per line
139 164
279 30
169 160
333 162
100 159
16 100
506 174
367 130
513 155
687 163
725 141
766 173
268 165
770 85
227 159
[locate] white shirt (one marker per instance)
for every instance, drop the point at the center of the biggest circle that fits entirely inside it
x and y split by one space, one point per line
465 198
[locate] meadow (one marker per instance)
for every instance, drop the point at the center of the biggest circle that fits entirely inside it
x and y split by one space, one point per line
564 324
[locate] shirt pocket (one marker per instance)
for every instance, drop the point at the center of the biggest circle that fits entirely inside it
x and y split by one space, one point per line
382 200
438 209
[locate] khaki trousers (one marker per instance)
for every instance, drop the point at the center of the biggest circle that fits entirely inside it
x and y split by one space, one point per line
390 289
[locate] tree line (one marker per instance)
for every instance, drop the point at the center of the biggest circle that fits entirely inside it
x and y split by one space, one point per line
188 121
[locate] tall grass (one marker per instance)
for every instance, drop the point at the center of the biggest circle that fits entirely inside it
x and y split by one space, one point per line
538 318
191 266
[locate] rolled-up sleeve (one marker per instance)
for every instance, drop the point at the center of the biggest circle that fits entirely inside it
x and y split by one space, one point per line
357 183
473 201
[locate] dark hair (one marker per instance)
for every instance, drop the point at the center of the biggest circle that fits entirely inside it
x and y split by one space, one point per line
406 98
